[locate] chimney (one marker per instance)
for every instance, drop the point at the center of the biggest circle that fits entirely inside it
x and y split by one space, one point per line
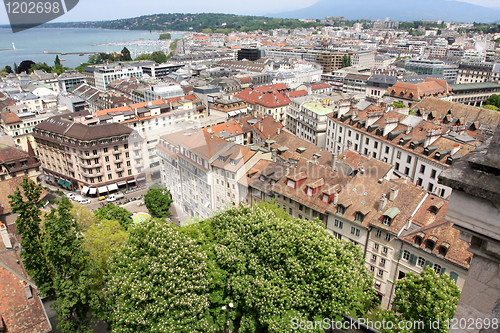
5 236
260 126
394 194
456 147
334 161
431 136
409 128
27 290
278 130
335 198
382 203
287 171
315 160
390 125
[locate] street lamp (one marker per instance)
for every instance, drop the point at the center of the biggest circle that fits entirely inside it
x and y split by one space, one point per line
224 308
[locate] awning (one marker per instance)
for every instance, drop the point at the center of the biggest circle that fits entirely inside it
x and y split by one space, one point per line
67 184
392 212
92 190
131 181
112 187
61 182
102 189
231 113
141 179
85 189
123 182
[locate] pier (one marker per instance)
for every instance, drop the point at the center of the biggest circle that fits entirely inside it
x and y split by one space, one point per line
71 53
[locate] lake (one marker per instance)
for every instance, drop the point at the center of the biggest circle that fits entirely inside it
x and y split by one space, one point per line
32 43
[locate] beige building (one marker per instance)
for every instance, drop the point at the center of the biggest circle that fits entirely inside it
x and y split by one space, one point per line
17 163
95 160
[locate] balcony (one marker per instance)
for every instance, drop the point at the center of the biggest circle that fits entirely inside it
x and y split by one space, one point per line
119 169
85 157
120 160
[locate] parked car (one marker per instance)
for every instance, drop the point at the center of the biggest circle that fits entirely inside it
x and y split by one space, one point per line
111 198
77 198
70 196
84 201
102 198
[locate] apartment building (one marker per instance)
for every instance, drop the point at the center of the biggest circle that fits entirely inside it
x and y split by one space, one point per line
69 79
474 94
474 72
419 149
267 100
408 93
355 83
101 75
307 117
17 163
94 160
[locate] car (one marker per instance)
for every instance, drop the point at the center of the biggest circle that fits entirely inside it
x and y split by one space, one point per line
111 198
77 198
70 196
84 201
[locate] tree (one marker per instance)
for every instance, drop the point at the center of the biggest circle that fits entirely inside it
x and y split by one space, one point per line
102 238
57 62
125 54
8 69
158 282
346 61
26 202
165 36
158 202
490 107
25 66
425 297
77 280
114 212
278 270
83 216
40 66
493 100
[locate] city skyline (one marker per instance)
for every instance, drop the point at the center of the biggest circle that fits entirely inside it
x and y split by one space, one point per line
85 10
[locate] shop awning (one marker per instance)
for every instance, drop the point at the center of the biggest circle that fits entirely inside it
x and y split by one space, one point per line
123 182
67 184
112 187
141 179
61 182
231 113
85 189
102 189
92 190
131 181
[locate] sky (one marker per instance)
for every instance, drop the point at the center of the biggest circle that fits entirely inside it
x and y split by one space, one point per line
94 10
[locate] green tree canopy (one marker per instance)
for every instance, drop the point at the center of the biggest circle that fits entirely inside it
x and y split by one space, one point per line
275 268
165 36
158 202
8 69
493 100
114 212
158 282
27 203
125 54
425 297
57 62
83 216
346 61
102 238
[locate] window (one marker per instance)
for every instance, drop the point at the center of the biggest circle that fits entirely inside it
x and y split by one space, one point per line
407 171
127 154
372 269
105 149
349 133
108 168
357 136
378 234
408 159
398 154
340 210
397 166
418 240
422 168
290 211
375 145
433 174
301 207
430 245
355 231
387 150
421 261
367 141
406 255
115 148
359 217
110 176
387 220
106 158
443 250
128 163
437 268
385 249
419 181
388 237
374 257
382 262
339 224
376 246
430 187
94 152
380 273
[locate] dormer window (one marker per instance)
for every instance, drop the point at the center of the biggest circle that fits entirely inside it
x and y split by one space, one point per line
221 158
387 221
429 244
443 250
309 191
290 183
340 210
262 178
418 240
233 162
359 217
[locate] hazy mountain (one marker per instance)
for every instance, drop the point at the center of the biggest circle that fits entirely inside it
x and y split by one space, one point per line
398 10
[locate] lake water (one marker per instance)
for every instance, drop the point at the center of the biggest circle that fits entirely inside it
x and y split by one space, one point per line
32 43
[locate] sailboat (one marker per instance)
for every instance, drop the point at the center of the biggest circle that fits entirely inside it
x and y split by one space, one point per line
13 46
